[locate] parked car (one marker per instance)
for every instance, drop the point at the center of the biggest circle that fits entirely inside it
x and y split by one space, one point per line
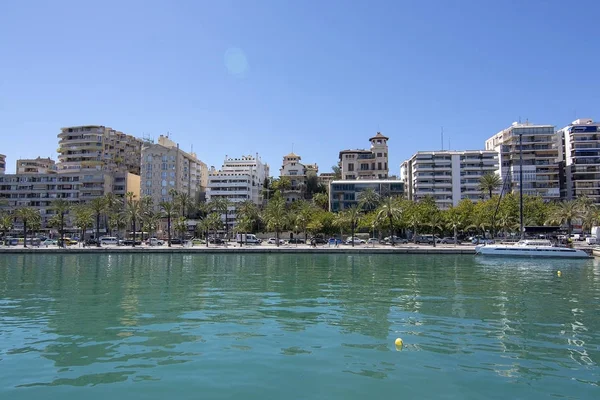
129 242
67 242
373 241
198 242
479 240
296 240
334 241
426 239
109 240
318 240
355 240
213 240
448 240
154 242
396 239
49 242
274 241
176 241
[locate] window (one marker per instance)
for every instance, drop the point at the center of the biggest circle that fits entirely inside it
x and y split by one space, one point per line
163 175
379 166
149 158
164 158
350 167
379 154
172 174
148 183
163 183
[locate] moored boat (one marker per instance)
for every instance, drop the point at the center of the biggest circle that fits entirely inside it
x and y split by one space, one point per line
530 248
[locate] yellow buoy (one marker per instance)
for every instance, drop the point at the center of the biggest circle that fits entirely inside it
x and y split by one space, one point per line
398 342
559 273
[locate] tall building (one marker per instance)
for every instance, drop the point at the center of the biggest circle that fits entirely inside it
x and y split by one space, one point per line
447 176
540 154
165 167
297 173
97 147
579 159
366 164
36 166
2 163
239 179
346 193
325 178
40 190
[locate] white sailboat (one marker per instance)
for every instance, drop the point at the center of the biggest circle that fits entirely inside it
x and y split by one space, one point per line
528 248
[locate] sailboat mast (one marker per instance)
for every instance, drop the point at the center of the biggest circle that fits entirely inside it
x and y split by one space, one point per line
521 185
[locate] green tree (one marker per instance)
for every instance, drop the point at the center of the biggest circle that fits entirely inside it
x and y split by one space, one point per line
181 227
133 214
489 183
6 223
303 217
455 221
337 172
275 215
321 200
61 207
391 210
222 205
435 221
168 212
248 211
84 218
213 223
369 199
565 212
27 215
353 215
98 206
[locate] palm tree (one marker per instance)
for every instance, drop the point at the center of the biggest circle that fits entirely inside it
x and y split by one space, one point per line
146 208
321 200
341 221
221 205
390 208
276 214
6 224
304 216
168 212
435 222
490 182
369 199
183 202
565 212
213 222
354 214
250 211
61 207
98 206
84 218
133 213
454 221
113 207
27 215
181 227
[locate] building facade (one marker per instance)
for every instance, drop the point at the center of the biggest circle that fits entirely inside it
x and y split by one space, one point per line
325 178
447 176
369 164
99 148
238 180
36 166
2 163
579 160
166 167
297 173
344 194
540 158
40 190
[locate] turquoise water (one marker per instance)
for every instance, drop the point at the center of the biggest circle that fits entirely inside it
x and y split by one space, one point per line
297 326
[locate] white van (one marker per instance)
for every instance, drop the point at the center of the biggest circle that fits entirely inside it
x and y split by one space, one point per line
109 240
247 238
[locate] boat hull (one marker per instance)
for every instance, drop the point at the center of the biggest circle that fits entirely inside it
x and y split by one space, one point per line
526 251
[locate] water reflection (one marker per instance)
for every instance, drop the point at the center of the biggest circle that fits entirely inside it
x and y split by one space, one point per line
117 318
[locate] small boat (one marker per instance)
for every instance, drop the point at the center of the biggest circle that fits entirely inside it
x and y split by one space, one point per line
529 248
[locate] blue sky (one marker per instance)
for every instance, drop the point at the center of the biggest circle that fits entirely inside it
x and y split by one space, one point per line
241 77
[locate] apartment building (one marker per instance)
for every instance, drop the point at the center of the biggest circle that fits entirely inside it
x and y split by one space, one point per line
344 194
369 164
166 167
325 178
36 166
579 160
447 176
99 148
239 180
2 163
297 173
540 158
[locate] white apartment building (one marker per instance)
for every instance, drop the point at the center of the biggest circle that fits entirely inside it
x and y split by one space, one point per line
166 167
447 176
40 190
239 180
2 163
540 156
366 164
297 173
579 160
36 166
97 147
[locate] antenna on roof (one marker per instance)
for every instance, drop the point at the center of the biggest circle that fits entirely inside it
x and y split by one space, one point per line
442 138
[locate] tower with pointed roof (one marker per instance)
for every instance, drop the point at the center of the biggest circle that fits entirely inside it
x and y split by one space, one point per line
366 164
